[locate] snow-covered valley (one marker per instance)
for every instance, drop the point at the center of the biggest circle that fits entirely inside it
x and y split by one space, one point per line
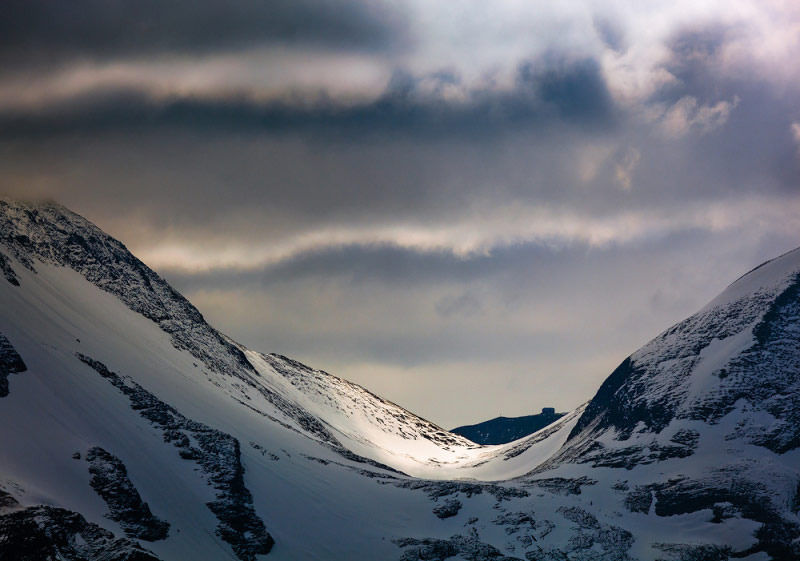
128 413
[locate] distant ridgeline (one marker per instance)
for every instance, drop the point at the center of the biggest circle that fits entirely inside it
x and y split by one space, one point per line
507 429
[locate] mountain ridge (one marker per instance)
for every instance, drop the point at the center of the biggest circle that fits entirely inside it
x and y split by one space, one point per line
688 451
502 430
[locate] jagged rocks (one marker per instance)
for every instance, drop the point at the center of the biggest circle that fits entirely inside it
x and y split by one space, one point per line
729 492
438 489
110 481
562 485
467 547
447 509
608 542
219 456
683 552
44 532
515 521
7 501
264 452
629 456
10 363
7 270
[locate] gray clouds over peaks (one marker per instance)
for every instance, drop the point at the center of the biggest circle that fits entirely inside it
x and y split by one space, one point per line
45 32
498 200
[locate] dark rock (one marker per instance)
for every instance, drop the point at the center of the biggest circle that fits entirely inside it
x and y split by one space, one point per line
7 501
466 547
589 532
439 489
684 552
44 532
561 485
10 363
447 509
263 451
727 492
219 456
7 270
515 521
110 481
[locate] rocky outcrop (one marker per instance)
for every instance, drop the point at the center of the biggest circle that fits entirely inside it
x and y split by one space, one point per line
7 270
45 532
10 363
447 509
464 547
729 492
439 489
216 453
110 481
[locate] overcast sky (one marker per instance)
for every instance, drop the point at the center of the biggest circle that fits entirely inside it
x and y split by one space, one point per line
471 208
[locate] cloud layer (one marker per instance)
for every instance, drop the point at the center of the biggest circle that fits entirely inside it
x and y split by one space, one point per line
422 196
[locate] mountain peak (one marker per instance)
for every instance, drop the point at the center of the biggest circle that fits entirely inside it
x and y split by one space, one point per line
50 233
738 352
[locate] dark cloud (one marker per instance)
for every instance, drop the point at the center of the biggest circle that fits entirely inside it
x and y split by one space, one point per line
751 149
610 32
694 60
45 32
547 91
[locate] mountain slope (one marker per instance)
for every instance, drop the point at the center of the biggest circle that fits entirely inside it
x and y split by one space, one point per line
743 346
50 234
131 429
718 397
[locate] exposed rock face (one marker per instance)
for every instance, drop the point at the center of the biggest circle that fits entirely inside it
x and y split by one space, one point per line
613 542
7 270
44 532
744 352
727 493
10 363
7 501
439 489
110 481
217 454
561 485
683 552
465 547
448 508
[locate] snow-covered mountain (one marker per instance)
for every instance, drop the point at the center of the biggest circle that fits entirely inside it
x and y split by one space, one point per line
131 429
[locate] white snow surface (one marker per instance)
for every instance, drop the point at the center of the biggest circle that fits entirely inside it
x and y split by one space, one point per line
337 472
